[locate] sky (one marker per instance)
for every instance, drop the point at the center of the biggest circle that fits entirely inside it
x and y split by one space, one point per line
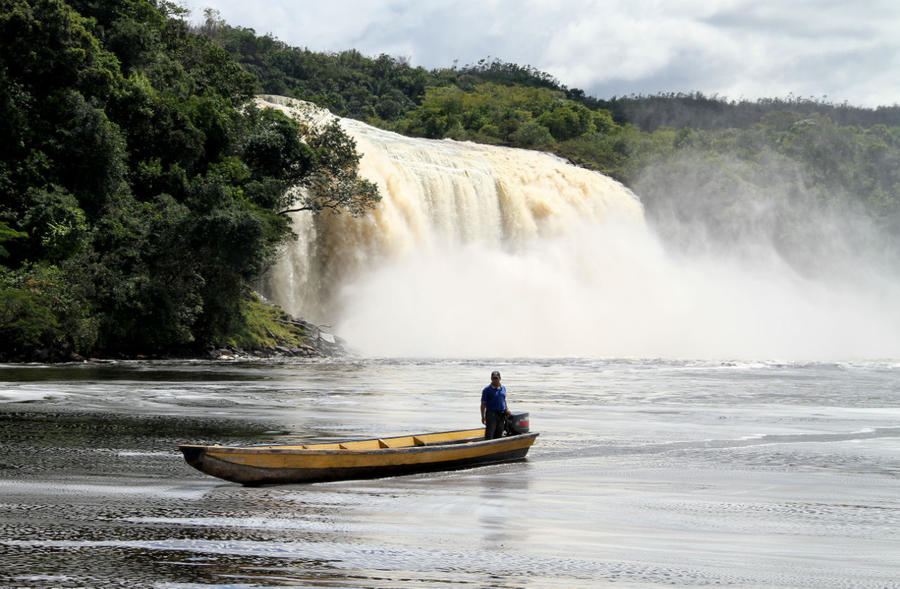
833 50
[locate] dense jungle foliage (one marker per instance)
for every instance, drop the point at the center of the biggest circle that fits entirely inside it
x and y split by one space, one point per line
783 153
141 189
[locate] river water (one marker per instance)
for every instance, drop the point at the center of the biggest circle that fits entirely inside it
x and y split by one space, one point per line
646 473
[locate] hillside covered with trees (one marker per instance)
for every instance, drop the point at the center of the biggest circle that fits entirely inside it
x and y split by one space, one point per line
789 156
142 192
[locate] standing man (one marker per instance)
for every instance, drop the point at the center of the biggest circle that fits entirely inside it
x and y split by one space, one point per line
493 407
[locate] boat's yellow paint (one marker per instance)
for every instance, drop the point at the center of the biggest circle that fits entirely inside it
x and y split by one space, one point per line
340 459
395 442
254 464
360 453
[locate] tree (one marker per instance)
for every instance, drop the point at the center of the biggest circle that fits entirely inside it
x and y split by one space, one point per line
7 233
141 191
334 183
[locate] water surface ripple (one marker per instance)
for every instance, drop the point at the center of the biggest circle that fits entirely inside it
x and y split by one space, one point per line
647 473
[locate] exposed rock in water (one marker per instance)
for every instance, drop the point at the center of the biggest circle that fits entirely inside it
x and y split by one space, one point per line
315 341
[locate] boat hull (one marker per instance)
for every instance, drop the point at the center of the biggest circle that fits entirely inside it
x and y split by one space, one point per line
290 464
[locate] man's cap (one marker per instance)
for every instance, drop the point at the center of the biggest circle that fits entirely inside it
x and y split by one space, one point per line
495 374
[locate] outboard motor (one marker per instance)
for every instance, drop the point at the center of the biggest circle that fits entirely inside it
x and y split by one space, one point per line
516 423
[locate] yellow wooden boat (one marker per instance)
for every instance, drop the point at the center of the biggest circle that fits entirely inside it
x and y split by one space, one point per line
356 459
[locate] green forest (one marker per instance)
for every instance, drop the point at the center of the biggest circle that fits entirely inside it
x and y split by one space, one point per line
143 194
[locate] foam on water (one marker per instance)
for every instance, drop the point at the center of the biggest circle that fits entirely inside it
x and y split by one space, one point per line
555 261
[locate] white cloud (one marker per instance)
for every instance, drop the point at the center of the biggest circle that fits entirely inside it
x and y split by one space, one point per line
737 48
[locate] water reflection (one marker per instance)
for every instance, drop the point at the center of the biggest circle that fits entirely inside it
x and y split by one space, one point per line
644 474
503 513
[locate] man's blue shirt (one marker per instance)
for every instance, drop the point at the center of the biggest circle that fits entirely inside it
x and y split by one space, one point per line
494 399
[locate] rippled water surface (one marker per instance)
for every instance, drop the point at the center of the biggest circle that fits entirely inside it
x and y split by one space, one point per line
646 473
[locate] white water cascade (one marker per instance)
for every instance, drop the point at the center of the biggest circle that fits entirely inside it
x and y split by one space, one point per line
484 251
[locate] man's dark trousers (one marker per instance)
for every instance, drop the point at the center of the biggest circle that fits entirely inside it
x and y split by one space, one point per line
494 422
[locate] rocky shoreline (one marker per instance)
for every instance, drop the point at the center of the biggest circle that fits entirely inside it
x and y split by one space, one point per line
299 339
320 344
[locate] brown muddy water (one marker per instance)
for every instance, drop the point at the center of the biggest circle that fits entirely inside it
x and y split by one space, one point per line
646 474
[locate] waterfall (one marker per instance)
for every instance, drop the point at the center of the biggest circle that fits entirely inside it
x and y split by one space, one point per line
487 251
